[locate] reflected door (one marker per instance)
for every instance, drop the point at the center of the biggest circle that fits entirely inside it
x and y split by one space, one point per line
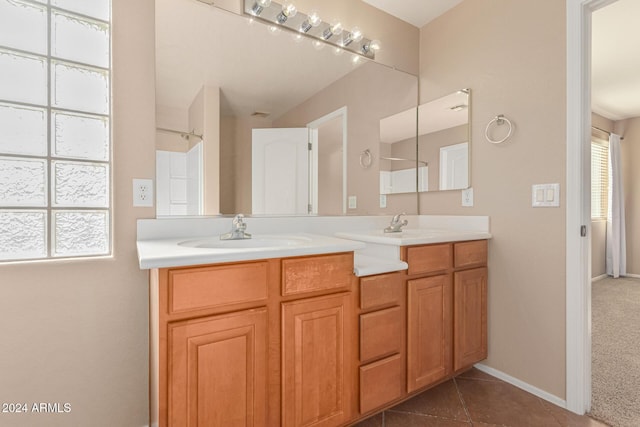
280 171
454 167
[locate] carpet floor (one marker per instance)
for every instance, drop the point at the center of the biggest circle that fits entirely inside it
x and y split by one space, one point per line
616 351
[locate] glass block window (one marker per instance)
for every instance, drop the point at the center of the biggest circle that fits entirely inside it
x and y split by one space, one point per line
55 122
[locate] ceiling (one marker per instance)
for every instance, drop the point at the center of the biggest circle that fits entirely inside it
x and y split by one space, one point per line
416 12
616 61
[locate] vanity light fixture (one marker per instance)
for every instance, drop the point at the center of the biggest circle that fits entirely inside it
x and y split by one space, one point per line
355 35
259 6
289 10
313 20
284 14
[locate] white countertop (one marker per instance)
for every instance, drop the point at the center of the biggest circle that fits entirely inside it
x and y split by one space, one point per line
375 252
163 253
409 237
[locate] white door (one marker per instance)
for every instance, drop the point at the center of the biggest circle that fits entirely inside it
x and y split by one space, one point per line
194 180
280 171
454 167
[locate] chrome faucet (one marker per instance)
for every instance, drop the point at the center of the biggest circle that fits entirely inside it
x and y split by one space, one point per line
396 225
237 229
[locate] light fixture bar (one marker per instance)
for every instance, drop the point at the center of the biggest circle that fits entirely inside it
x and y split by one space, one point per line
311 26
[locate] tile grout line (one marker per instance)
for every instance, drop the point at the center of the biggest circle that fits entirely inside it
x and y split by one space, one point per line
464 404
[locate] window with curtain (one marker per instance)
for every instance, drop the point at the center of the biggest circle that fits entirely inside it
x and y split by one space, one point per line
599 179
55 120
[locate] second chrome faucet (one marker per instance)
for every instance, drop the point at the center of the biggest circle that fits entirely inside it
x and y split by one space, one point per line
238 227
396 225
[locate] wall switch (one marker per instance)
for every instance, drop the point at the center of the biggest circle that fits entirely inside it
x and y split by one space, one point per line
467 197
383 200
143 192
353 202
545 195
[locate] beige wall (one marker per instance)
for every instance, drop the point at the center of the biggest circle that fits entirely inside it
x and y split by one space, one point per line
330 171
399 39
630 153
512 55
599 227
77 331
370 93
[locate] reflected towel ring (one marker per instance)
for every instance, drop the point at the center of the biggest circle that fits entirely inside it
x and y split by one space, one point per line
366 159
498 120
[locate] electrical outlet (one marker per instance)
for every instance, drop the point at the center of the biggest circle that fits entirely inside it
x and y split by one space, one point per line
383 200
467 197
143 192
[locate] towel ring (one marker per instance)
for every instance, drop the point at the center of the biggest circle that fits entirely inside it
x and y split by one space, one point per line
366 159
498 120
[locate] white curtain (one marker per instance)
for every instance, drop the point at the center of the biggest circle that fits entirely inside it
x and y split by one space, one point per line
616 242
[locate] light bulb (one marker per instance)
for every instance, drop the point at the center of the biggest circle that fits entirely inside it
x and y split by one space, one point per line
288 11
259 6
334 29
313 20
355 35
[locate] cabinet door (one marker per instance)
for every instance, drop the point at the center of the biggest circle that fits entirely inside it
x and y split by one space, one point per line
429 353
316 361
470 317
217 369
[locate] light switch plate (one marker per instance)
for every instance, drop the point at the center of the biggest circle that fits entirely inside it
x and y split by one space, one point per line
353 202
545 195
383 200
467 197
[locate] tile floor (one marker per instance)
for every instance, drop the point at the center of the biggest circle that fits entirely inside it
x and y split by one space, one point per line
477 399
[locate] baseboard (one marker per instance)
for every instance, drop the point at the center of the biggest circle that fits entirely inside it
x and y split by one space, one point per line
595 279
634 276
522 385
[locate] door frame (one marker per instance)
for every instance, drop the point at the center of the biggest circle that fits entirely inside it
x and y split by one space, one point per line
578 199
313 158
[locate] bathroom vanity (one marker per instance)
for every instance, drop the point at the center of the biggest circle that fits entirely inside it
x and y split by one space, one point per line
300 340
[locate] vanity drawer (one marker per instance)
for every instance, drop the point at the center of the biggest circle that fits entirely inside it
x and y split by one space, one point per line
380 333
428 259
380 291
209 287
317 273
470 254
381 382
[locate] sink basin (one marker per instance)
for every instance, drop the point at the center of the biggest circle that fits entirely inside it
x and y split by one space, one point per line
256 242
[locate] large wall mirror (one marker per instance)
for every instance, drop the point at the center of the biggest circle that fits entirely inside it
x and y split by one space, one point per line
440 161
252 119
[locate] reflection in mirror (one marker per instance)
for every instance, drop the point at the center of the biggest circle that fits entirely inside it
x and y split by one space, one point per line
231 81
443 141
398 154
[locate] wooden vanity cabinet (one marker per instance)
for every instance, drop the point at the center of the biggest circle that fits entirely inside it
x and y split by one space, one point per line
446 310
382 322
254 343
